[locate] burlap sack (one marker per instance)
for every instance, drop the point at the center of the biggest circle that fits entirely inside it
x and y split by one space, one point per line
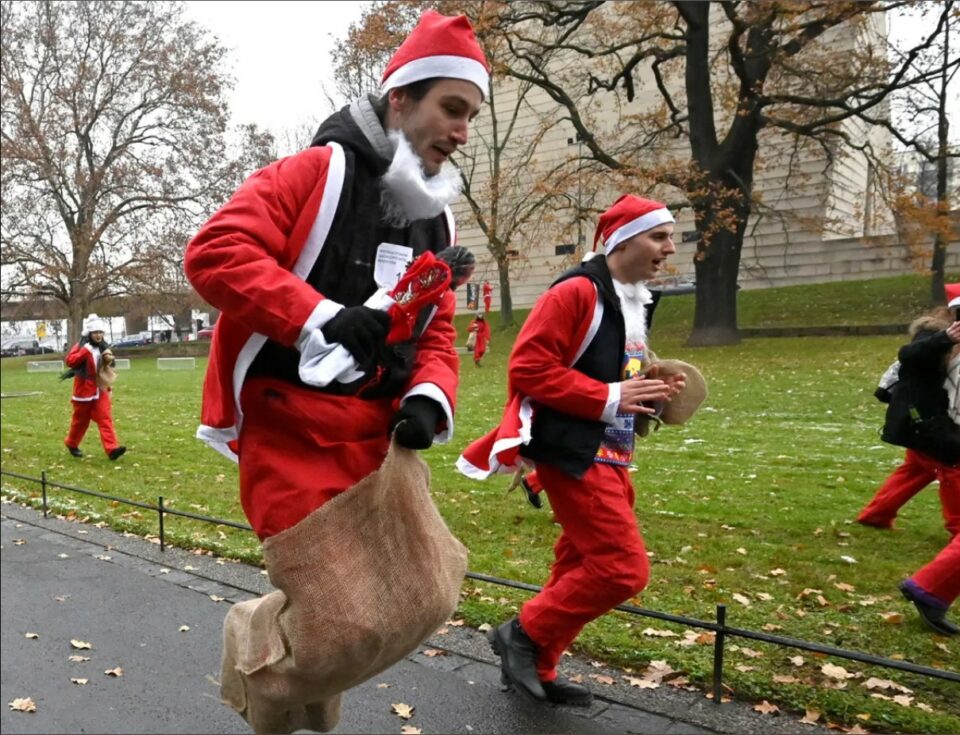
362 581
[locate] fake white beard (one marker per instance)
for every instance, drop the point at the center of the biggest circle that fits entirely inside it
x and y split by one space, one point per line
408 194
633 300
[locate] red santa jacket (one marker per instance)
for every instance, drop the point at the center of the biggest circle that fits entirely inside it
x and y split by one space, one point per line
84 359
559 329
251 259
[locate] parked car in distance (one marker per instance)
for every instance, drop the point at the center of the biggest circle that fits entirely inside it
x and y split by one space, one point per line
133 340
18 347
205 333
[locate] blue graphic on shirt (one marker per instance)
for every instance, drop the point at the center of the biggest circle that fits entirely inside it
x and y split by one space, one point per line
618 439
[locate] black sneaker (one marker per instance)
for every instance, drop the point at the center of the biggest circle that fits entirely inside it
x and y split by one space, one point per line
532 497
934 616
564 691
117 453
75 451
518 658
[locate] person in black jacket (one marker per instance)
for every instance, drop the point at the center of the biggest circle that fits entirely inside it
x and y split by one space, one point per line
923 417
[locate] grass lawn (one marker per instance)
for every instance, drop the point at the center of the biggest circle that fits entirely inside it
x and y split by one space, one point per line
750 504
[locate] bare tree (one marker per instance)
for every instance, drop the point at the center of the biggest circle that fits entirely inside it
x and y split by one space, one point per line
113 122
921 124
720 82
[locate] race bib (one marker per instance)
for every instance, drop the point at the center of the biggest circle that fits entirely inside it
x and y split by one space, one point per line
392 261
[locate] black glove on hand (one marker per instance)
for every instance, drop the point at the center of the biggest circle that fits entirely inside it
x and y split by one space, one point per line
416 422
361 330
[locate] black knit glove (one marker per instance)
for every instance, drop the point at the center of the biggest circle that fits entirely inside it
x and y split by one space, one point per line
415 424
361 330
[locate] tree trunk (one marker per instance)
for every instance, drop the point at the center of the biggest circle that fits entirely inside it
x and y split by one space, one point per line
939 260
715 312
506 299
76 310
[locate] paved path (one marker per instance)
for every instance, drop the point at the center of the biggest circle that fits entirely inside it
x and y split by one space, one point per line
64 581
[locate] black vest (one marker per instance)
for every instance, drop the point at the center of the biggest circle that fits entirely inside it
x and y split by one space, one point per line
567 442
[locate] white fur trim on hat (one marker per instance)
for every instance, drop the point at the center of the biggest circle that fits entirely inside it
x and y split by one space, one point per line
635 227
449 67
954 303
93 323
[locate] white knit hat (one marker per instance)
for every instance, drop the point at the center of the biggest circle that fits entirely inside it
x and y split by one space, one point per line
93 323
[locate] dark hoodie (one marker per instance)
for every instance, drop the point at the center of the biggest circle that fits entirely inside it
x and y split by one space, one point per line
344 270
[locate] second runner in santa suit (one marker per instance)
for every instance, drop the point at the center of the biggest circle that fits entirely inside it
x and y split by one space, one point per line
292 261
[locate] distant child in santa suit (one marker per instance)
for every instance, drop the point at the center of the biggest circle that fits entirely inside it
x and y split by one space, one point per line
91 363
480 327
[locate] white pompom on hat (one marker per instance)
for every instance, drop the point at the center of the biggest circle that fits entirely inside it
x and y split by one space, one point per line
93 323
440 46
630 215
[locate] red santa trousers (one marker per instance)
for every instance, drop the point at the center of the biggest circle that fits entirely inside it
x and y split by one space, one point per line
299 448
941 577
600 559
98 410
917 471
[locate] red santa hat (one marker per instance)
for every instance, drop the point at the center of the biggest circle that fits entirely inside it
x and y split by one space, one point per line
952 291
440 46
630 215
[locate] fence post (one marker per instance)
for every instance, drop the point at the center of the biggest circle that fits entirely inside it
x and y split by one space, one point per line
43 490
718 642
160 509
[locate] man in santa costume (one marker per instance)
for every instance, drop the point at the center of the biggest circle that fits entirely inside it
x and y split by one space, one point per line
480 329
487 296
91 397
291 260
576 385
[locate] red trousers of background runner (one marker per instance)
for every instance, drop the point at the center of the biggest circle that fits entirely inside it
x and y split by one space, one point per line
99 411
941 577
600 559
917 471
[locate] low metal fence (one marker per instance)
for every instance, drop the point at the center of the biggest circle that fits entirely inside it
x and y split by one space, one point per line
719 627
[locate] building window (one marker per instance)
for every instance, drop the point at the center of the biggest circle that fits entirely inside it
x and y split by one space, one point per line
568 249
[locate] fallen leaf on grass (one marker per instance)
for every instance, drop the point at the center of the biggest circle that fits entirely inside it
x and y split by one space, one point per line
764 596
431 652
80 682
796 660
455 623
23 704
777 572
743 668
844 587
750 653
78 658
836 672
741 550
217 598
32 636
891 618
114 672
401 710
483 628
856 730
874 683
849 560
81 645
785 679
410 730
183 628
741 599
641 683
810 717
903 700
384 685
766 708
658 633
924 707
770 627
